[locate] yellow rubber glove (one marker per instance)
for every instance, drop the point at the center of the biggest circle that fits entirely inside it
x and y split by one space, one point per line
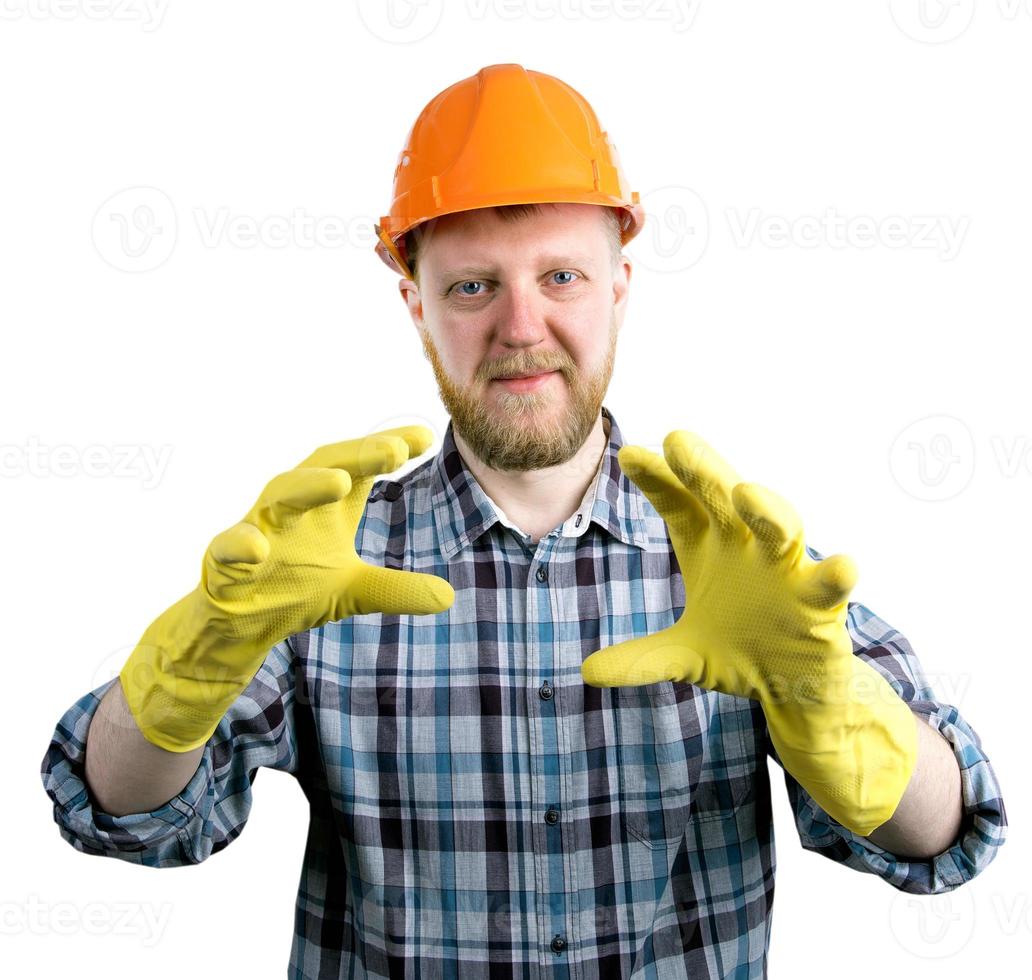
763 620
290 565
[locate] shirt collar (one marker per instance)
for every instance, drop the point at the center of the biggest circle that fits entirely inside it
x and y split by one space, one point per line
462 509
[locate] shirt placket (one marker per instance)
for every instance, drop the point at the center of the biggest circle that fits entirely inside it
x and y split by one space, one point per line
546 765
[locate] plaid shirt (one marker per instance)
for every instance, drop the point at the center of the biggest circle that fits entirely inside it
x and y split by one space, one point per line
476 809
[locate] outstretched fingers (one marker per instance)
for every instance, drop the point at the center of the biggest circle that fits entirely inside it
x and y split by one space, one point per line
242 543
398 593
678 508
706 474
830 581
287 496
231 555
648 659
772 519
378 452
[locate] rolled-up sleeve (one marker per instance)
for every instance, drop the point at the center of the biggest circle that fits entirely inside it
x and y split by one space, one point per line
210 812
984 824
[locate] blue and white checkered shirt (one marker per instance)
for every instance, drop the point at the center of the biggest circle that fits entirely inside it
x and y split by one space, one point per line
476 809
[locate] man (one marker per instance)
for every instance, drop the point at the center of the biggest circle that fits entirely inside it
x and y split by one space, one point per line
531 707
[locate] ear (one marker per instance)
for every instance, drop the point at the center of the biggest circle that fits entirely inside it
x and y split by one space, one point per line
621 287
413 301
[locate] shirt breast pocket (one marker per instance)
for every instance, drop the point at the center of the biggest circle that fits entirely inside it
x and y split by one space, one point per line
681 753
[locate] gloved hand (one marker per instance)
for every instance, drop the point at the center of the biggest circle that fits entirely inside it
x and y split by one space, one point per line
290 565
763 620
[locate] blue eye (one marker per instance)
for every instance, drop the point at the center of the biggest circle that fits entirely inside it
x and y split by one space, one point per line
460 286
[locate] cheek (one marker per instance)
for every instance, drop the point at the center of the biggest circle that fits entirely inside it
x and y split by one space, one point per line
588 349
462 354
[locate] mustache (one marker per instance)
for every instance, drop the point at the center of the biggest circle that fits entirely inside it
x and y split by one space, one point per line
513 370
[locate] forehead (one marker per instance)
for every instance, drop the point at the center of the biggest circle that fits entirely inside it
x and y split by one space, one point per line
570 230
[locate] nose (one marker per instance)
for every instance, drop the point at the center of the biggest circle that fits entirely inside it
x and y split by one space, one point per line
521 319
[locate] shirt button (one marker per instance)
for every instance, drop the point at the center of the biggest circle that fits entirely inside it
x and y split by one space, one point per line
392 491
558 944
541 574
551 815
545 692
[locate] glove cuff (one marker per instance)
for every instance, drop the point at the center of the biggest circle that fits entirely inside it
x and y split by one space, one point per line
181 678
853 750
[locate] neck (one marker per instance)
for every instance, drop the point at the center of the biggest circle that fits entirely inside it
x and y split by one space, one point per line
537 501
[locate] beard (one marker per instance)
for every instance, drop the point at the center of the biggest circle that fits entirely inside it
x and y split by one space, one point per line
525 430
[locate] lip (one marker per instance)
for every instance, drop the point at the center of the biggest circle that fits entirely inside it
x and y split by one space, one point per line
525 384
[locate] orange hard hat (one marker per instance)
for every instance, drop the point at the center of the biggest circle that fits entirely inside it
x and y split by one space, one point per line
503 136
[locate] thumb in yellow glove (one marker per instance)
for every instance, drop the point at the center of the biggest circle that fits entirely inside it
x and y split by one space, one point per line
763 620
290 565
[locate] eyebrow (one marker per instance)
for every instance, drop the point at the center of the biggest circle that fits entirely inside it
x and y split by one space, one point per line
558 261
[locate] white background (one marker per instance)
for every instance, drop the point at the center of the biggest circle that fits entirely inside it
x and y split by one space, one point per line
831 287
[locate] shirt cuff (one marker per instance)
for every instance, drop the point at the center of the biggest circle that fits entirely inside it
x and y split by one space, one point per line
149 838
982 831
